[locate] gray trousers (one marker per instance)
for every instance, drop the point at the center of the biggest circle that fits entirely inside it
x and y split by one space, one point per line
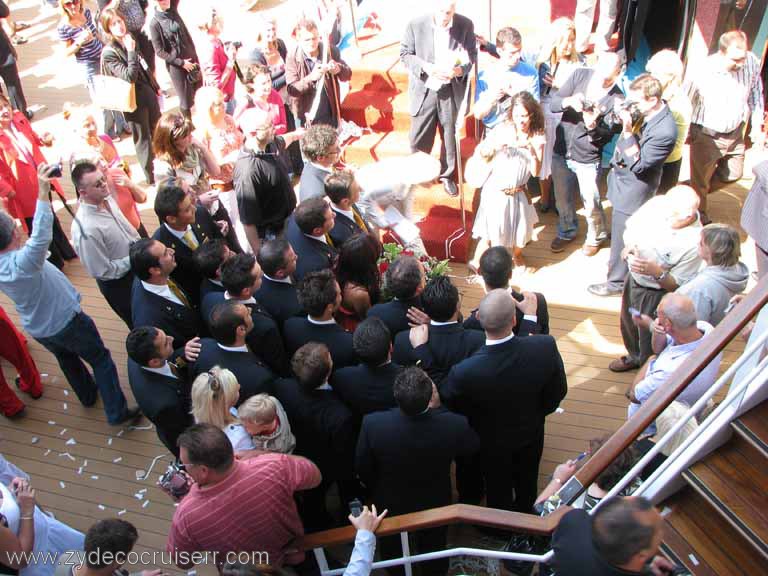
617 266
438 112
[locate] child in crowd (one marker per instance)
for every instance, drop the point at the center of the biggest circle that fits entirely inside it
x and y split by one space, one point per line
264 419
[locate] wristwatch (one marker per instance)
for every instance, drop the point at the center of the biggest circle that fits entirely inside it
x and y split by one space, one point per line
661 276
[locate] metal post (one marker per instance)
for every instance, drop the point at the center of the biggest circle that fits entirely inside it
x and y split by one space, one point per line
354 21
406 552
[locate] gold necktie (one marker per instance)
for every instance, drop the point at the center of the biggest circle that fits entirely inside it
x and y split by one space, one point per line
359 220
190 240
179 293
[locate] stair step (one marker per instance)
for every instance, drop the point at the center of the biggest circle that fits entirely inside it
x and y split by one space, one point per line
702 542
753 427
734 480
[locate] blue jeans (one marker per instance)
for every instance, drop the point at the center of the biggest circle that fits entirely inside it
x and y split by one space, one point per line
78 341
569 178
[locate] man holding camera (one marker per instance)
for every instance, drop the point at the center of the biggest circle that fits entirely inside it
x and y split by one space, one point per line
648 135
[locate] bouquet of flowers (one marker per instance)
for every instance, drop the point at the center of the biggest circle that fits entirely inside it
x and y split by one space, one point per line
432 266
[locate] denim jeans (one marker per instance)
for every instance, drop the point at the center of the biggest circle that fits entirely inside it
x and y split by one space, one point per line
78 341
568 177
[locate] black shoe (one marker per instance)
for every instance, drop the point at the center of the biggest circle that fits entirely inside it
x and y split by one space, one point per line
605 289
130 414
450 187
704 217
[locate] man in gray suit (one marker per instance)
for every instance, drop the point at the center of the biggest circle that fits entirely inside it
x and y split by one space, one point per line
439 50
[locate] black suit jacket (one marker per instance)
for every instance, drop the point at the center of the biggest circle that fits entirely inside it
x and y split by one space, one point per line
448 345
280 300
149 309
186 273
206 287
638 162
253 376
393 314
164 400
345 228
312 254
299 330
406 460
506 390
522 327
365 389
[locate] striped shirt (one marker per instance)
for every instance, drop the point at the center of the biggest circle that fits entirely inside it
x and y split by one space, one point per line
723 99
91 50
252 509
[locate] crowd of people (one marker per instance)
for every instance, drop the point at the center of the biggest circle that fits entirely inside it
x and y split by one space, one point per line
286 374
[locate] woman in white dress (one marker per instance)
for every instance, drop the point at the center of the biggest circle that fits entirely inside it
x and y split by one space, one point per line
25 528
514 149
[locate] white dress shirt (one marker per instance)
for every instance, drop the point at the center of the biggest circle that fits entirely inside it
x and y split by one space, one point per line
162 290
164 370
490 342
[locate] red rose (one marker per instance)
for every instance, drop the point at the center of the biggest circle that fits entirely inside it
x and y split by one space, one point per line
383 266
406 253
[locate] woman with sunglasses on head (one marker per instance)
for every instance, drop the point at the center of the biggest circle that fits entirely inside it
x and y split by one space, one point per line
121 59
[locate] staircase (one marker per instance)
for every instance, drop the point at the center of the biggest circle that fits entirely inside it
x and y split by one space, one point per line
718 523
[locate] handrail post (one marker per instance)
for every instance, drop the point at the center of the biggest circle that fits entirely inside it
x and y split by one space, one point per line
322 561
406 545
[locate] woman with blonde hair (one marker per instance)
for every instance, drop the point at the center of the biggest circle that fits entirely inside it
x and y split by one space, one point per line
557 60
214 395
667 68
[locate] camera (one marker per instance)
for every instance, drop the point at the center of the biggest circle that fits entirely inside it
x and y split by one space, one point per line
355 507
588 106
175 481
54 170
236 44
633 110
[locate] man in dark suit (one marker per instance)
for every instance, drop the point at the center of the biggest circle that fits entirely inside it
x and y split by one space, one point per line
156 300
307 231
448 342
160 383
405 281
230 324
344 192
368 387
320 146
208 259
320 296
278 292
637 165
438 49
241 277
325 430
404 455
183 227
506 389
532 312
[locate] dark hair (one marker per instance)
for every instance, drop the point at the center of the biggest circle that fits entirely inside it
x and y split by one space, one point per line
210 256
616 532
207 445
140 344
304 23
496 267
271 256
311 364
508 35
168 199
338 185
80 170
252 72
172 125
141 258
225 321
107 538
317 139
440 299
7 226
413 390
236 273
648 86
403 277
359 263
618 468
106 17
316 291
527 101
310 214
372 341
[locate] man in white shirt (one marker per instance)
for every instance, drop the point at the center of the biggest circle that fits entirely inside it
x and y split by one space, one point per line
102 236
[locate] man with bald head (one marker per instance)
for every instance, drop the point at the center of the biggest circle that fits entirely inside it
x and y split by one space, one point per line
506 389
676 334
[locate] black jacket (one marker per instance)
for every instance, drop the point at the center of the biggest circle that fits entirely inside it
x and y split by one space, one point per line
280 300
253 377
406 460
298 331
393 314
365 389
345 228
522 327
313 255
149 309
206 287
125 65
7 52
170 37
448 345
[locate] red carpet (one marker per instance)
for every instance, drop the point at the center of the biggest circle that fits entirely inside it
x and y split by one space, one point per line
439 225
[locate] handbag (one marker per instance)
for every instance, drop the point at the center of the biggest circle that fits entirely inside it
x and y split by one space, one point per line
110 93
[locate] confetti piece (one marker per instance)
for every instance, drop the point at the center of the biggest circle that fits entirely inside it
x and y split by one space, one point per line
64 406
666 511
123 511
68 455
85 463
102 507
109 442
120 433
693 559
44 375
147 427
559 410
47 452
71 442
51 422
118 459
80 470
94 477
146 503
138 496
62 484
35 439
66 392
63 432
142 491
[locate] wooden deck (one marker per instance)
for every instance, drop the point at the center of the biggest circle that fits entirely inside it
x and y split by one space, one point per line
96 475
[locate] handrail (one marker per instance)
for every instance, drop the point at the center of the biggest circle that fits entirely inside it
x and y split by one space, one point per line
715 342
444 516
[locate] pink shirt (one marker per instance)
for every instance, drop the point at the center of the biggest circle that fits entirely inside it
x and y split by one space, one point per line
274 106
251 510
214 61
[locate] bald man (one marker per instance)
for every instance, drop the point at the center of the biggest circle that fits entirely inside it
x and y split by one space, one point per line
506 389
